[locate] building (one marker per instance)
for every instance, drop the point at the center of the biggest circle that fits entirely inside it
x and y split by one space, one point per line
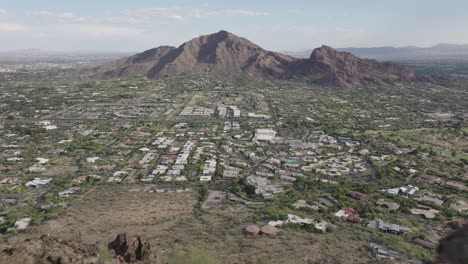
10 180
264 186
360 196
428 213
253 115
322 226
210 168
454 185
205 178
222 111
233 111
381 252
434 200
406 191
37 182
459 206
231 172
303 204
348 214
425 243
380 225
196 111
264 134
22 223
69 192
390 205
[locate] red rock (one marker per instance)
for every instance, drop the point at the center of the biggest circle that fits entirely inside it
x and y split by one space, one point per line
226 53
343 69
130 250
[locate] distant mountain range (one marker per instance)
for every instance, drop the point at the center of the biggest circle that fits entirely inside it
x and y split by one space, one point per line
437 52
226 53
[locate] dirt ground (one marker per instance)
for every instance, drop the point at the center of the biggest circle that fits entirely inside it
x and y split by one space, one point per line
167 220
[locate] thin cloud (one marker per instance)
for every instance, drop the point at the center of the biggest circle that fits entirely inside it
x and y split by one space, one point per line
339 32
311 36
7 27
98 30
58 16
3 12
49 14
234 13
144 15
178 13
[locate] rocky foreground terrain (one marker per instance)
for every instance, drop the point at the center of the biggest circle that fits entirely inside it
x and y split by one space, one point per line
49 249
133 249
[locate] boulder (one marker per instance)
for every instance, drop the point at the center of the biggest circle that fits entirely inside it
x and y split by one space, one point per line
130 250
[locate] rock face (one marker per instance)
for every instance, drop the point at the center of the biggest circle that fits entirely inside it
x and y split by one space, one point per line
219 53
130 250
226 53
345 70
48 249
139 64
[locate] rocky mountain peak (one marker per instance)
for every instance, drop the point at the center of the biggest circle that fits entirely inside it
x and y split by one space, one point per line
322 52
226 53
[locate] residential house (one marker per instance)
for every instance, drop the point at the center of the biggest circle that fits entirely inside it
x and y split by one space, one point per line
390 205
380 225
459 206
431 199
37 182
348 214
427 212
425 243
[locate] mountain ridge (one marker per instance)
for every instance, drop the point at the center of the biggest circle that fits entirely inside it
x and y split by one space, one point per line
226 53
439 51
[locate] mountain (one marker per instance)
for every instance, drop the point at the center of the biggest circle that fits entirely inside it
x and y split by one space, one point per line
437 52
139 64
226 53
329 66
218 53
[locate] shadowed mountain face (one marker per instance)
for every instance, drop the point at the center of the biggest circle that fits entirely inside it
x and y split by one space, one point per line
226 53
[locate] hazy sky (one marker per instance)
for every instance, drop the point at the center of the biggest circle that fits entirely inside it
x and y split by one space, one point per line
134 25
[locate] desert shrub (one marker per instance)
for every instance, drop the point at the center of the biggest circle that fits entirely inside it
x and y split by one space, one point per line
105 254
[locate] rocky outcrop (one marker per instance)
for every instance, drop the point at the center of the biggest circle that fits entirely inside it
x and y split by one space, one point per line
49 250
226 53
130 250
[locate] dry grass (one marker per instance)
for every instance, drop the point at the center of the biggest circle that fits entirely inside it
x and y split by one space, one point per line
104 212
168 222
